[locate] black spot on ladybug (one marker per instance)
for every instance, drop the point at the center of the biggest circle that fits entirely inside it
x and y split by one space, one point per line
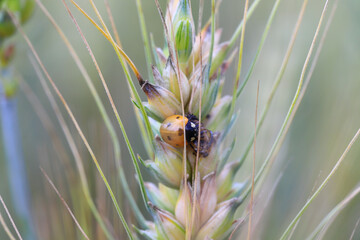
178 117
169 138
180 132
168 125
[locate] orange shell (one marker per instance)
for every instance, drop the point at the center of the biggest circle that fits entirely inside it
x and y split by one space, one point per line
172 130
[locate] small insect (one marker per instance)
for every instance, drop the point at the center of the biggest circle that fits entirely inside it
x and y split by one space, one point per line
172 132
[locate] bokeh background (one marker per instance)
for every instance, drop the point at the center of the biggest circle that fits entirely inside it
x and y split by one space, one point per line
326 120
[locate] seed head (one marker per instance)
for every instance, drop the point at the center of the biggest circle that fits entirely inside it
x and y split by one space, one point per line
197 202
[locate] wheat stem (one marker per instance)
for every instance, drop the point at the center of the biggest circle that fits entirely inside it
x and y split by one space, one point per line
239 66
212 34
74 150
6 228
146 141
65 204
293 103
326 221
76 125
11 219
277 80
323 184
253 167
238 30
142 188
14 156
262 41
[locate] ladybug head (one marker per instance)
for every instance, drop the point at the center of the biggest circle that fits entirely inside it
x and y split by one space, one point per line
192 117
192 128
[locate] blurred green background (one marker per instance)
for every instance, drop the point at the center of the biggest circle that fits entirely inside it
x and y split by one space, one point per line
326 120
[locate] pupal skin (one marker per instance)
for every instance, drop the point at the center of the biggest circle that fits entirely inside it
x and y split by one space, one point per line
220 221
162 102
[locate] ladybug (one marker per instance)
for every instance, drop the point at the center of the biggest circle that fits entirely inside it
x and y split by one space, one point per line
172 132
